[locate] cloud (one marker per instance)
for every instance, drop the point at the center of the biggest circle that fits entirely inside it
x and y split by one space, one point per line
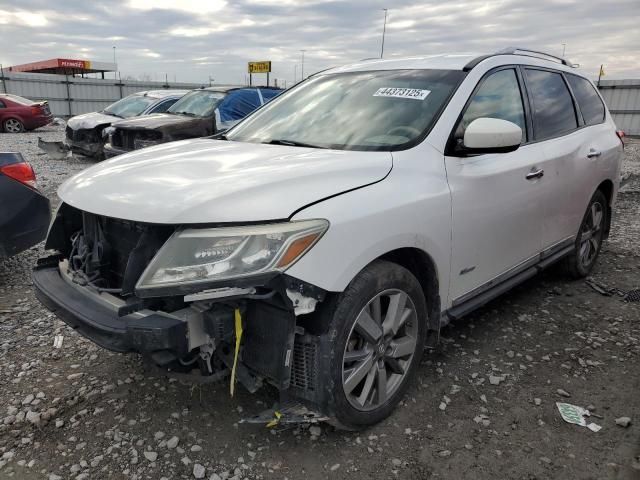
23 18
192 6
194 40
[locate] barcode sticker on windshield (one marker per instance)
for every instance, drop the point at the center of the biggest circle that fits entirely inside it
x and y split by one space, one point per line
413 93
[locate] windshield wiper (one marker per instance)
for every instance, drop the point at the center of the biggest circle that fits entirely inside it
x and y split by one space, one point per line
292 143
111 113
189 114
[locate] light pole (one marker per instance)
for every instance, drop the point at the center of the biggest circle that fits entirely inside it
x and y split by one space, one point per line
563 48
295 73
384 30
302 66
114 62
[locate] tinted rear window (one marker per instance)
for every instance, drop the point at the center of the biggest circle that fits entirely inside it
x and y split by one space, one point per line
588 99
553 110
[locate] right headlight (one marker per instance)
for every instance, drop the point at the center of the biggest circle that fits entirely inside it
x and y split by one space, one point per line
204 255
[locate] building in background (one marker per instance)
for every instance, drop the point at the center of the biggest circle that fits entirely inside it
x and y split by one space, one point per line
65 66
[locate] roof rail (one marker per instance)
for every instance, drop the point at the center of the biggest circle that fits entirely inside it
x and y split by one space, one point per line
520 51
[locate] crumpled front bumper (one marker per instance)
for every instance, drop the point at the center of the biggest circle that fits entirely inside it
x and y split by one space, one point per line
88 148
95 316
110 151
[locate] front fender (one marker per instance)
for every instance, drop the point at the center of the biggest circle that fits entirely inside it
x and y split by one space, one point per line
407 209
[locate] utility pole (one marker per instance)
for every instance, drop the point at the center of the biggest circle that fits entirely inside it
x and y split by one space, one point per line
384 30
114 61
295 73
563 49
302 75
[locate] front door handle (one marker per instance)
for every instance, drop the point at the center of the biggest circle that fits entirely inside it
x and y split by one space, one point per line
532 175
594 153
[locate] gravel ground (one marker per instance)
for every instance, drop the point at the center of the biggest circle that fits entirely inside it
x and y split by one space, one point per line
483 406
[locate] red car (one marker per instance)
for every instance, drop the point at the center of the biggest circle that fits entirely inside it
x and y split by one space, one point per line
18 114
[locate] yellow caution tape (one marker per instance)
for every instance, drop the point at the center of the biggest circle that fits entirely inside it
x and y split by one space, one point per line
277 415
238 321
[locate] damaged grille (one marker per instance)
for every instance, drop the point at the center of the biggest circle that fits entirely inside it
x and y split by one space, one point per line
82 135
126 139
304 368
111 254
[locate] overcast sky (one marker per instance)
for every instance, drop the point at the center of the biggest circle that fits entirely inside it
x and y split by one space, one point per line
193 40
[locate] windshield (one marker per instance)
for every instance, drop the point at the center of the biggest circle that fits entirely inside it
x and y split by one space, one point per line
379 110
130 106
199 103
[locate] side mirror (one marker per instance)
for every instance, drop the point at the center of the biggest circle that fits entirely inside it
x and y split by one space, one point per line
491 135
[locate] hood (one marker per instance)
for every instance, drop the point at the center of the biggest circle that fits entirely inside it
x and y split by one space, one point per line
91 120
216 181
156 121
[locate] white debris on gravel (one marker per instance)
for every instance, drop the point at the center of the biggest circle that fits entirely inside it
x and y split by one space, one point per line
623 421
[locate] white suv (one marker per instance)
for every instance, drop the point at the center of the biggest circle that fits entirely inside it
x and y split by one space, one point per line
322 243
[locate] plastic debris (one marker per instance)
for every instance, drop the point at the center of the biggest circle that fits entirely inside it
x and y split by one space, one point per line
57 341
286 414
238 325
574 414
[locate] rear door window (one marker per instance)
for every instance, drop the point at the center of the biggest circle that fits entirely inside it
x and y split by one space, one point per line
588 99
2 105
498 97
163 106
553 110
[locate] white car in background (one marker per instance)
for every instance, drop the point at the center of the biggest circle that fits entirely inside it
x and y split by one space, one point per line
322 243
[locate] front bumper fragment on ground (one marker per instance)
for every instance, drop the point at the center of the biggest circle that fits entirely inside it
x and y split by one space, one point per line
159 335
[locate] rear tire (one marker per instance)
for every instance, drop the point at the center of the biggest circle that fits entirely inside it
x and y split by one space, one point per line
13 125
590 237
378 327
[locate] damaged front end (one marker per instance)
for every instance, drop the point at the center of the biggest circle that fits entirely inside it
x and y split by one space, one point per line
213 300
125 140
87 141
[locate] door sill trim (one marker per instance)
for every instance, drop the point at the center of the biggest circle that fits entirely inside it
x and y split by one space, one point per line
504 282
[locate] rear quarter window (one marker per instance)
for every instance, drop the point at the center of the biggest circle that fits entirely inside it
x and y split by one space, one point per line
588 99
553 110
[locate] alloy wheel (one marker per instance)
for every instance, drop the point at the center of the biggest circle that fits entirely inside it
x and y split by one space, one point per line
379 349
13 126
591 234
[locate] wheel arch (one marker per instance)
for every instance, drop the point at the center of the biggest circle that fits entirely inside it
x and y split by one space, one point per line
423 267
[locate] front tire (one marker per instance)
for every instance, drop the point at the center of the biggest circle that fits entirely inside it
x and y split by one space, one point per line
590 237
13 125
378 328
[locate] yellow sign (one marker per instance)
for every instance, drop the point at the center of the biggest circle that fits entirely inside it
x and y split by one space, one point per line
259 67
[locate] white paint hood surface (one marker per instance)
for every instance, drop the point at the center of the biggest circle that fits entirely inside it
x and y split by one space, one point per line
91 120
216 181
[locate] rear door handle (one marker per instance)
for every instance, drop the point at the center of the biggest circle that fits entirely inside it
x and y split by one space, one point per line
535 174
594 153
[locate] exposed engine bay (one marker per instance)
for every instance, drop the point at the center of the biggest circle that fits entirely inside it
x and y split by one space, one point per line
255 331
